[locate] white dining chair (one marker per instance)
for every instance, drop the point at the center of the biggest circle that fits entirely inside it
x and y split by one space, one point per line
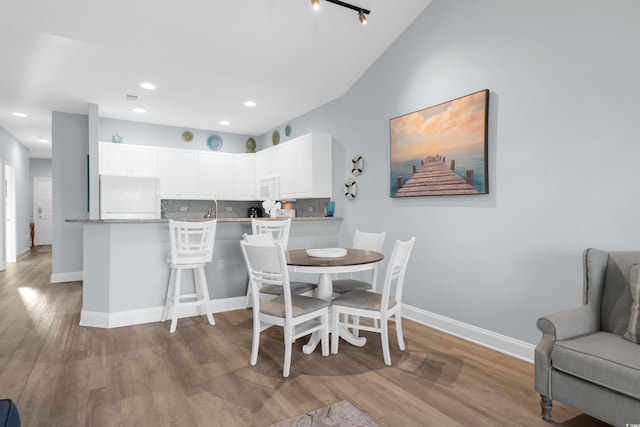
377 306
298 315
278 228
191 248
366 241
279 232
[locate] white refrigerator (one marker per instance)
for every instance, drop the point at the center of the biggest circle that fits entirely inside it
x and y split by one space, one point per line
128 197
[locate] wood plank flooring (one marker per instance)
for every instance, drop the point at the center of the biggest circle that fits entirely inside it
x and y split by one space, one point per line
61 374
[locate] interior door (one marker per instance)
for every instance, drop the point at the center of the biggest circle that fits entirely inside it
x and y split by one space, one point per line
43 205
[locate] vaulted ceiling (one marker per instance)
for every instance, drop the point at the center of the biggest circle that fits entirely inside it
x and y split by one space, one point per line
205 58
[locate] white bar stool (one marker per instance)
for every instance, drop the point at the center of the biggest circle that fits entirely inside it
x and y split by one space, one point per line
191 246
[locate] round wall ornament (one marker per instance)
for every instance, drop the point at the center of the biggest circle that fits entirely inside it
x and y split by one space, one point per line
350 189
187 136
251 145
357 164
214 142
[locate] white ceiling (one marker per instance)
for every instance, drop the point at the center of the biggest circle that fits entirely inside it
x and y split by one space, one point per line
206 59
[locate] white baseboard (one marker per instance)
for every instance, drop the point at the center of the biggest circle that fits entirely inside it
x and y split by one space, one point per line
118 319
22 254
483 337
72 276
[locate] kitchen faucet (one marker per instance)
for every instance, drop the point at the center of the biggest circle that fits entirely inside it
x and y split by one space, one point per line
208 215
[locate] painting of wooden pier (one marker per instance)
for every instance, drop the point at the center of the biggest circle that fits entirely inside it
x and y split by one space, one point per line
435 178
441 150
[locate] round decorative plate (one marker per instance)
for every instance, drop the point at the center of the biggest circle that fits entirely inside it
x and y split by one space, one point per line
357 164
187 136
350 189
275 137
214 142
287 130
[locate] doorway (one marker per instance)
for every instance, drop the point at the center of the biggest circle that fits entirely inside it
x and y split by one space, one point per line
10 212
43 210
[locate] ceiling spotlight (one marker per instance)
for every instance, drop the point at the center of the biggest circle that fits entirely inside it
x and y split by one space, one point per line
147 85
43 140
139 110
361 11
249 104
224 122
17 114
362 17
315 4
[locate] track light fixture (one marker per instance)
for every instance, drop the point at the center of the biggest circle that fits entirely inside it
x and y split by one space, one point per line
362 17
362 13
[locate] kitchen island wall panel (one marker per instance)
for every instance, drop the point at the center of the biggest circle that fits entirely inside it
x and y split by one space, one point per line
126 274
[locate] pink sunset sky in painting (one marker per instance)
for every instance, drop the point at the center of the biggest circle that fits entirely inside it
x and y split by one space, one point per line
457 125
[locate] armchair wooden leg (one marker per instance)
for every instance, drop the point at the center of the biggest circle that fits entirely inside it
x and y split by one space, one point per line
546 404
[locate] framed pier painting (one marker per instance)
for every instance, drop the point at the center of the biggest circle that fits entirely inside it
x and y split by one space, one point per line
441 150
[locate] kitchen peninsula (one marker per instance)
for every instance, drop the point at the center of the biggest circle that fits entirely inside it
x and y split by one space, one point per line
125 273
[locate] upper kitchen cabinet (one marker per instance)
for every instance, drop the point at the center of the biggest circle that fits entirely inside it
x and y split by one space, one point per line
245 177
302 165
216 175
128 160
312 166
178 173
286 158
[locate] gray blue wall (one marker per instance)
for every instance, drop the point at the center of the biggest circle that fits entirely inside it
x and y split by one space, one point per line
563 144
167 136
69 150
13 153
562 152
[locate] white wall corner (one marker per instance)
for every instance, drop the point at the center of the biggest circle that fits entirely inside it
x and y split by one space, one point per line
502 343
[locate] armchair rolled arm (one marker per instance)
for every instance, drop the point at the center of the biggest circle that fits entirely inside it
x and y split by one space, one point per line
560 326
570 323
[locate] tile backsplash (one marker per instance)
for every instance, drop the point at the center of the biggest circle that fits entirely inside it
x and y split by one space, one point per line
197 209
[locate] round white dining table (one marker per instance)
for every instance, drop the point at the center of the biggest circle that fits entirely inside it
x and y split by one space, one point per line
355 260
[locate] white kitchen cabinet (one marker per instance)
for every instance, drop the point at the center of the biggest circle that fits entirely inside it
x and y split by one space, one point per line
313 166
245 184
303 165
178 173
126 159
216 175
285 165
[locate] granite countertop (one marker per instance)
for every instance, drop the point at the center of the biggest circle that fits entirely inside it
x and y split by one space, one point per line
166 220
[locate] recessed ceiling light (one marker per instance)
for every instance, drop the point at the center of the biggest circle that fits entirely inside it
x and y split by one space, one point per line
147 85
17 114
224 122
249 104
140 110
42 140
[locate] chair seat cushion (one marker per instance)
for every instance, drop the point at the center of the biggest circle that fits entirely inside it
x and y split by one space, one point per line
602 358
362 299
342 286
297 288
300 305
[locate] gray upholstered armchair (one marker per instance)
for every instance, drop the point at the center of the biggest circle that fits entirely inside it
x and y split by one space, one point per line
582 359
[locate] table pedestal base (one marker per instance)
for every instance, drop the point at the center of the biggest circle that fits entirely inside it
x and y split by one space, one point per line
325 292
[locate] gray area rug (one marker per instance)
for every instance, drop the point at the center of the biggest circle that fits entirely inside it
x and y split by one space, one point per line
339 414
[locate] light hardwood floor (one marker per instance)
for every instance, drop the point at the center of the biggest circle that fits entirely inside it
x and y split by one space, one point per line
61 374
